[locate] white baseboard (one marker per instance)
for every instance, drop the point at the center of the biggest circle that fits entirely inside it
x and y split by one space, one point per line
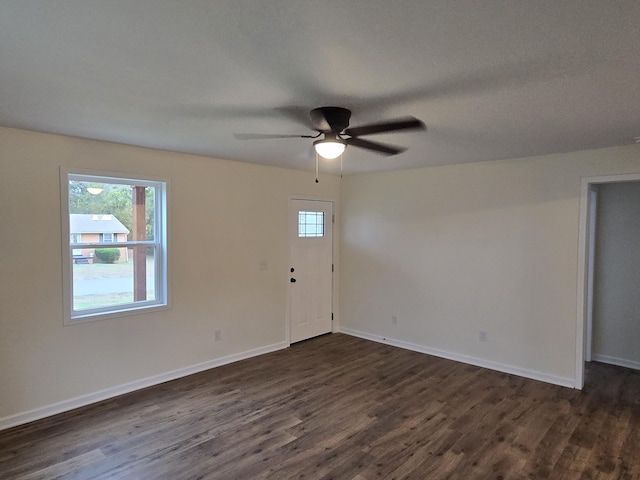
620 362
479 362
81 401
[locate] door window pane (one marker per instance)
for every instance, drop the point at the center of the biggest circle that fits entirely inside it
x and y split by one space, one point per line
310 224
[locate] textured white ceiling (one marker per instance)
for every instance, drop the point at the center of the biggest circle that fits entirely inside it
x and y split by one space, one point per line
492 79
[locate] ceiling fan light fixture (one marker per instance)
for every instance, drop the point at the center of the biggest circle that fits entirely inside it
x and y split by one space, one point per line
329 148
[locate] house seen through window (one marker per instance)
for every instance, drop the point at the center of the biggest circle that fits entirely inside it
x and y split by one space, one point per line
117 257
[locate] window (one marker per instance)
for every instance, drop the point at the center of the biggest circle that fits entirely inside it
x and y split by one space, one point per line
129 275
310 224
76 238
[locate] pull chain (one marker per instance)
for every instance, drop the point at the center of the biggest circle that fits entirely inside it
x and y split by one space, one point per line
341 165
317 167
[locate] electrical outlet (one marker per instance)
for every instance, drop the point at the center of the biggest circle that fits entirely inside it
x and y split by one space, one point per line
394 319
217 335
482 336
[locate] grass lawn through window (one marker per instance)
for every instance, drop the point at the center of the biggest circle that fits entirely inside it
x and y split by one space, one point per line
100 284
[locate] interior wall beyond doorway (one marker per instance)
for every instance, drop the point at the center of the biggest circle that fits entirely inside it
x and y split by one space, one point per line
616 303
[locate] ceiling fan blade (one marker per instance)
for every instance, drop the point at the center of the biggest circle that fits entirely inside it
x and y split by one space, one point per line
377 147
408 123
262 136
296 113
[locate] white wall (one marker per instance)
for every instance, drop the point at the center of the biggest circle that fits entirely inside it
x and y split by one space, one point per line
225 218
448 250
453 250
616 314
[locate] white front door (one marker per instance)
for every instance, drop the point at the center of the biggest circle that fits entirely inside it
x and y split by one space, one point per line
310 268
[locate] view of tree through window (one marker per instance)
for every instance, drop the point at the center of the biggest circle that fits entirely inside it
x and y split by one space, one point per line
113 199
116 244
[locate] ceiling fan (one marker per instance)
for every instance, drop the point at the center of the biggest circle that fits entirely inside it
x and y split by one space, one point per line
332 123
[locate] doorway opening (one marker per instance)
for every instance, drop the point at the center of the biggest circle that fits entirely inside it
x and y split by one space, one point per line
587 268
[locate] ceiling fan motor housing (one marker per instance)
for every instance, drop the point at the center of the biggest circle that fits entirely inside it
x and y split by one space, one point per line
330 119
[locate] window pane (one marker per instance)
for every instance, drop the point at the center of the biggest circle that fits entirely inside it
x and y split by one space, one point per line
109 209
100 207
112 278
310 224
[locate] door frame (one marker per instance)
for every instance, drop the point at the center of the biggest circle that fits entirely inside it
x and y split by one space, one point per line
334 318
586 254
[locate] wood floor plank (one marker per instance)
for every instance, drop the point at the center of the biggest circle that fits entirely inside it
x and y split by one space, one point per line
339 407
60 469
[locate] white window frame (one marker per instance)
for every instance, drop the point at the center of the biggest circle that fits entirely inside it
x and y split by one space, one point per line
160 243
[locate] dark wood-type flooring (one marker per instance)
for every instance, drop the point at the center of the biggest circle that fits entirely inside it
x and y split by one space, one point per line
339 407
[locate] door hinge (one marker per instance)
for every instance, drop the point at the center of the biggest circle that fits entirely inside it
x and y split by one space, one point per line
333 218
331 315
332 270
